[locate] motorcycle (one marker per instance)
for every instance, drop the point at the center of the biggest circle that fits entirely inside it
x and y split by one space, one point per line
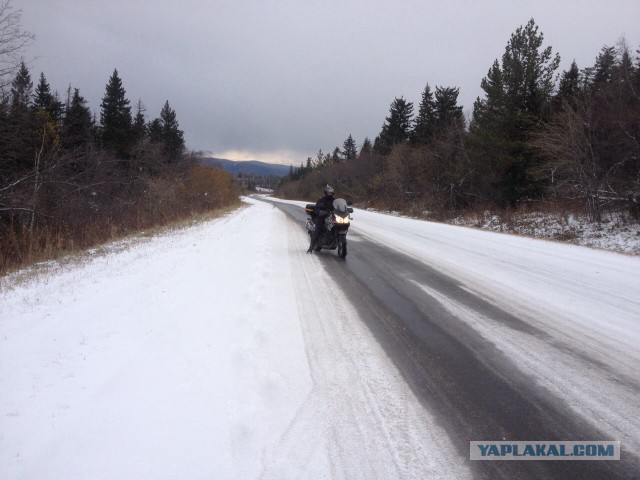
336 225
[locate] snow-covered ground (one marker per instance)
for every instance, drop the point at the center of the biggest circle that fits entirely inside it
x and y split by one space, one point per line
586 300
615 232
224 351
209 352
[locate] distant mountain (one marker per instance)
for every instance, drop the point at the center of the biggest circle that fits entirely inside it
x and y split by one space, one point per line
251 167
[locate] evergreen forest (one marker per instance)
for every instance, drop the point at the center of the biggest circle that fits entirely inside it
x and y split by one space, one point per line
69 180
537 139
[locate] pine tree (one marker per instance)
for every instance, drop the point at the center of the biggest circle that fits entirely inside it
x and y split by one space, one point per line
379 146
350 150
77 127
172 136
529 70
154 129
568 87
624 74
518 96
604 66
367 148
20 141
115 118
397 127
495 94
43 97
446 108
139 123
21 91
624 68
45 100
424 123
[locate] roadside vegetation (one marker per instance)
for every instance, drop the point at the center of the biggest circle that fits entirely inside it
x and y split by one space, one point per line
70 179
538 140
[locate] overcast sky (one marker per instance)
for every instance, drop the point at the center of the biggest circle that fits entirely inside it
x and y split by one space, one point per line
278 80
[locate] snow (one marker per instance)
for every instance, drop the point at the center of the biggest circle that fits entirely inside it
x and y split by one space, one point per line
199 354
110 361
615 232
586 300
222 350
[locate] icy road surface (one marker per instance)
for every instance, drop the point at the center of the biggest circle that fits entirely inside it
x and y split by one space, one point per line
224 351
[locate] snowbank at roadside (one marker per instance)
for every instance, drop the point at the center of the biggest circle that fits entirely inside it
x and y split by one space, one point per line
614 233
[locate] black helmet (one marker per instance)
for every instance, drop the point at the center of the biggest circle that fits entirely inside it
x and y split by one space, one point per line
328 190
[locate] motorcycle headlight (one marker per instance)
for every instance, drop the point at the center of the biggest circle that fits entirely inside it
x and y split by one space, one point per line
342 220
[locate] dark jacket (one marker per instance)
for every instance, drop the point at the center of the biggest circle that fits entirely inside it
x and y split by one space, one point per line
324 206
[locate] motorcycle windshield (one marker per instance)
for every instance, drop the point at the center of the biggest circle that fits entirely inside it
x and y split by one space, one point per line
340 205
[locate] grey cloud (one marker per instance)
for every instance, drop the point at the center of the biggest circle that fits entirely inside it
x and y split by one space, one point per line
272 76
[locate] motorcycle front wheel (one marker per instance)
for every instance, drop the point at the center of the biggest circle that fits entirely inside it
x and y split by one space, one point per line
342 246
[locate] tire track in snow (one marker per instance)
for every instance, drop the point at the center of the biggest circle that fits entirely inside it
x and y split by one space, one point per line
476 387
592 391
360 416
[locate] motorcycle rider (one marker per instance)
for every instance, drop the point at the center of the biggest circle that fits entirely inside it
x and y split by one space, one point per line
324 207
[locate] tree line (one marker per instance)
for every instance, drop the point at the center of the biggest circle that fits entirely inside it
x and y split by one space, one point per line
70 179
536 136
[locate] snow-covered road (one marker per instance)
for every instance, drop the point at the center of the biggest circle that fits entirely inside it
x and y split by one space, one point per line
223 351
553 322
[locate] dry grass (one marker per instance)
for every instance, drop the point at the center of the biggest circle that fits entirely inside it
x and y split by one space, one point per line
72 258
82 223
